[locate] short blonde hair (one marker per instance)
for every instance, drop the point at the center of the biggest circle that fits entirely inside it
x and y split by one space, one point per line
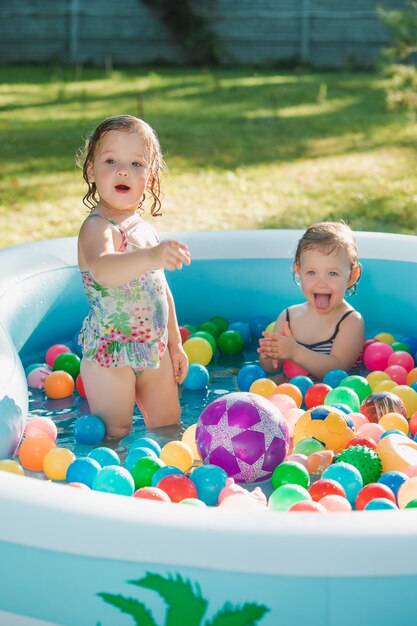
328 237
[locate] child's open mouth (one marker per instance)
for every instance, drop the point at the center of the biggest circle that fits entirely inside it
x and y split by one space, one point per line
122 188
322 300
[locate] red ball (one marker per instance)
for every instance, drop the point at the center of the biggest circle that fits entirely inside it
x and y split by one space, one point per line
308 505
397 373
325 487
412 424
400 357
367 343
185 333
372 491
152 493
178 487
80 386
316 394
361 441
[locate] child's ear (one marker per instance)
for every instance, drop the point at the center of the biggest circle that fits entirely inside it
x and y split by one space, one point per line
355 275
296 269
90 172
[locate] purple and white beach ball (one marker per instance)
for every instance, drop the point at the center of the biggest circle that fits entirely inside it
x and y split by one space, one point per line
243 433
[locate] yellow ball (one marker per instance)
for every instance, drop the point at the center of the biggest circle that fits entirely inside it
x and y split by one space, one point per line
394 421
56 463
407 492
270 328
384 385
263 387
198 350
188 437
178 454
374 378
13 467
385 337
409 396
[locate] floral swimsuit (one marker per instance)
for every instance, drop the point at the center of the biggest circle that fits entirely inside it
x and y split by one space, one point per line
127 324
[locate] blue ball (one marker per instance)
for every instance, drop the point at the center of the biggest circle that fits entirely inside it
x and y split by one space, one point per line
197 377
83 470
147 442
135 454
114 479
257 325
248 374
343 407
104 456
302 382
379 504
89 430
411 343
164 471
334 377
209 480
414 385
393 480
346 475
242 328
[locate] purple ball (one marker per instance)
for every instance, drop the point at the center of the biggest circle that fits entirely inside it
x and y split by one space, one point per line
243 433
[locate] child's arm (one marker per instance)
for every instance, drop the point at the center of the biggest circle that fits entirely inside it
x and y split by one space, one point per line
178 356
97 254
269 363
346 348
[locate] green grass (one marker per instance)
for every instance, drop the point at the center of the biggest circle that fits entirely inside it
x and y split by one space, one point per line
245 148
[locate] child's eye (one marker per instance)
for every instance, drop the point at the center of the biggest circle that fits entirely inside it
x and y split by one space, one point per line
111 161
310 272
333 274
137 164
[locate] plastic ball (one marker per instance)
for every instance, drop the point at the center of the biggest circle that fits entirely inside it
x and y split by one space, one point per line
198 350
397 373
328 425
283 402
178 454
316 394
372 491
244 434
394 421
188 437
365 460
335 504
411 505
59 385
56 462
199 504
203 334
308 446
343 395
378 404
333 378
209 480
302 382
243 329
348 476
379 504
384 385
83 471
114 479
413 424
178 487
257 325
104 456
291 369
411 343
308 505
33 366
221 322
197 377
400 346
325 487
290 472
231 342
359 384
78 486
285 496
385 337
393 480
298 458
135 454
37 376
412 376
408 396
89 429
79 385
54 351
358 419
371 430
144 469
291 418
263 387
12 467
403 359
407 492
248 374
184 332
39 426
361 441
161 472
319 461
291 390
152 493
376 377
32 451
68 362
147 442
375 356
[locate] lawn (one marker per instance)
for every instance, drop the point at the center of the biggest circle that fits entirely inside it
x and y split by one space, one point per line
245 148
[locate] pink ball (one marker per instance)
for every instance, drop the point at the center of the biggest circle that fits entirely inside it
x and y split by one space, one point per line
283 402
374 431
411 471
358 419
36 378
298 458
39 426
291 417
291 369
335 504
54 351
376 355
308 505
397 373
400 357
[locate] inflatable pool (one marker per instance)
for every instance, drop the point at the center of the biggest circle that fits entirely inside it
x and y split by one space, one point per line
75 557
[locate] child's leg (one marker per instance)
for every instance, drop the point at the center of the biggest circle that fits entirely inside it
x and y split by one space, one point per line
111 396
157 394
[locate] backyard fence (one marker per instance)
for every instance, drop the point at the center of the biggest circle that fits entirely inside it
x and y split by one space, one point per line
321 33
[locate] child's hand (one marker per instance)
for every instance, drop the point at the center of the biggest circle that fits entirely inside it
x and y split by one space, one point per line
179 361
171 254
278 346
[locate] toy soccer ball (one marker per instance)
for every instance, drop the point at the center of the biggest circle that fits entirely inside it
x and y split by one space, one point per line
329 425
243 433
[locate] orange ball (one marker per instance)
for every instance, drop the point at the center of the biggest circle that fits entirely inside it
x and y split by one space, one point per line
290 390
33 450
412 376
59 385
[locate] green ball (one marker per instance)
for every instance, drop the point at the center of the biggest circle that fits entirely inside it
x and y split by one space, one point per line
308 446
205 335
359 385
189 327
400 345
231 342
365 460
209 327
411 505
343 395
144 469
68 362
221 322
290 472
284 497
